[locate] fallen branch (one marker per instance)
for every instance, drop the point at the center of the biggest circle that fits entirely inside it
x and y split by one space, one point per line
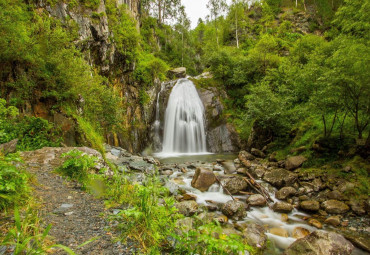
218 180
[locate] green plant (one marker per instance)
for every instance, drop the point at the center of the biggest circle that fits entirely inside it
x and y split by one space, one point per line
77 165
14 189
147 221
209 239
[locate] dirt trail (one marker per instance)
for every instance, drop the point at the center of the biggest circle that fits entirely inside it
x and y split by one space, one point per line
76 216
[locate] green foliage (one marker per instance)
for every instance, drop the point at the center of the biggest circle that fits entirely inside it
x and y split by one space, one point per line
126 35
77 165
92 135
150 68
145 220
14 188
209 239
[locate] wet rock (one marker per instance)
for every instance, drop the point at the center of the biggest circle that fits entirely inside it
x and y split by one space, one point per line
234 209
9 147
211 206
187 208
229 167
221 219
310 205
358 239
189 197
315 223
179 72
254 234
320 243
357 207
279 232
280 177
282 207
229 230
333 220
335 194
335 207
258 153
318 184
258 171
285 192
244 155
167 172
256 200
299 232
284 217
203 179
234 183
142 166
294 162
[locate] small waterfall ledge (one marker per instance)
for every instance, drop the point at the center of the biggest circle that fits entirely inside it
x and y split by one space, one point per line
184 124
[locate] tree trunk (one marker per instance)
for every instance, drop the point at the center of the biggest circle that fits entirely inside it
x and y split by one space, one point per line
159 11
236 30
324 121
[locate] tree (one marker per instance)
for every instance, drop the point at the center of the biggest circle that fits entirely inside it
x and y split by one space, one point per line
183 25
216 8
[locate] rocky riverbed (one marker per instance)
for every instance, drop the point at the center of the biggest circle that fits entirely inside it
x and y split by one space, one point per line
309 211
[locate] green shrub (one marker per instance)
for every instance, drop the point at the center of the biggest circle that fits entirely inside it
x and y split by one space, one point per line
14 189
146 221
77 166
209 239
150 68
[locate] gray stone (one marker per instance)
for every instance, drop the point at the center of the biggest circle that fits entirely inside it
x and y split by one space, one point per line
187 208
285 193
310 205
256 200
179 72
320 243
282 207
234 184
280 177
9 147
335 207
234 209
203 179
258 153
254 235
294 162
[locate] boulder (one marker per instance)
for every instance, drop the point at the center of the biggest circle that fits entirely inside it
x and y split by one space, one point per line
256 200
179 72
310 205
280 177
258 153
255 235
294 162
335 207
9 147
188 196
320 243
285 192
184 225
244 155
360 240
315 223
333 220
187 208
234 209
299 232
282 207
203 179
234 184
272 157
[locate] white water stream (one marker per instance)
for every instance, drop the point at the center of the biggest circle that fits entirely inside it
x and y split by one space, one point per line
184 132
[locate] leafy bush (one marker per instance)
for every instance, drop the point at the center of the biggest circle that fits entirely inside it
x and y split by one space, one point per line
209 239
77 165
150 68
146 221
14 189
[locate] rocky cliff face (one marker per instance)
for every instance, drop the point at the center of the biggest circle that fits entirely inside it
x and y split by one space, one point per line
95 42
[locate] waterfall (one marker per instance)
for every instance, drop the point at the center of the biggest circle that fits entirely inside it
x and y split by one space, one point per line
184 121
157 122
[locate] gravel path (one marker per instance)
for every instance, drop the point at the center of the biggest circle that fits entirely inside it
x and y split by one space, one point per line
76 216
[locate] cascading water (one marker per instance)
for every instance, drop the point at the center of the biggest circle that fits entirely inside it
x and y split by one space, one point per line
184 121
